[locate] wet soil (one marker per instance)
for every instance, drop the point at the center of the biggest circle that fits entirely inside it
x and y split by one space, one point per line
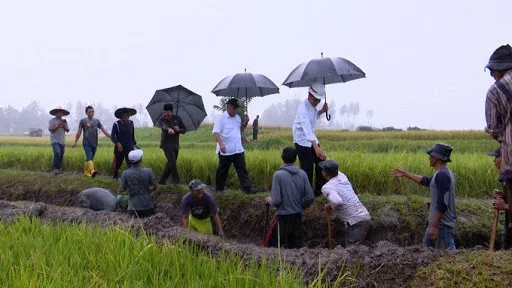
383 264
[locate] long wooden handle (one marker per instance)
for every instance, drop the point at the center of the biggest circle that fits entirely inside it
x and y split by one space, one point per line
329 230
493 231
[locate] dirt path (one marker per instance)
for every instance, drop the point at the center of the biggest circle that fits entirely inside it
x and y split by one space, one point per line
381 265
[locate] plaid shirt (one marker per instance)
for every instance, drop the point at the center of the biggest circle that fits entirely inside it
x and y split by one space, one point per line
499 122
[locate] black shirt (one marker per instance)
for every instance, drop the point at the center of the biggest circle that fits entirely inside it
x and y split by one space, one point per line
170 140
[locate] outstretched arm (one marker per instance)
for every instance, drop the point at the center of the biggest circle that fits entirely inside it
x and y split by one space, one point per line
399 172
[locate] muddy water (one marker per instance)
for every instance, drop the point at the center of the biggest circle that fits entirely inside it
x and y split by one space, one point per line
383 264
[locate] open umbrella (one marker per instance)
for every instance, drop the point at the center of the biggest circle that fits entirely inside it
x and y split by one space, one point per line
187 104
245 85
325 70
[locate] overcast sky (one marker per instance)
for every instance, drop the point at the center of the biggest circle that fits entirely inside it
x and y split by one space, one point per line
424 61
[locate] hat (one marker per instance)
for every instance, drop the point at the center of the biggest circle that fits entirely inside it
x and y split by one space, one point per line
329 166
196 184
317 89
441 151
119 112
495 153
122 201
233 102
57 109
501 59
168 107
135 155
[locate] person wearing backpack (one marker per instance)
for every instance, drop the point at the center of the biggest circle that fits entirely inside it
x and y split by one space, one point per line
498 106
123 137
291 193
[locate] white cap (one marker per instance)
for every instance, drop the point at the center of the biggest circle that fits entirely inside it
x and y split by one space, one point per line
317 89
135 155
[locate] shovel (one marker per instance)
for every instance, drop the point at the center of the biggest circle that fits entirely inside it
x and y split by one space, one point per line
493 231
329 229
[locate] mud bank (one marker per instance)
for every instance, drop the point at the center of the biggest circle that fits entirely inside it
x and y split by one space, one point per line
383 264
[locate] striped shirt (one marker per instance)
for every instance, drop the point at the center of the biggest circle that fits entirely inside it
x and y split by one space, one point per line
499 122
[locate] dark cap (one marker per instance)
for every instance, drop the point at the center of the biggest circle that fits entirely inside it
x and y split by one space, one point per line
168 107
233 102
441 151
196 184
501 59
495 153
329 166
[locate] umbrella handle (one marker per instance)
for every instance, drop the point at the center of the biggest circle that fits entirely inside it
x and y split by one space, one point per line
327 116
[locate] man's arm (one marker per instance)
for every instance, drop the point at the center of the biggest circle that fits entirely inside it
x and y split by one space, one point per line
184 221
182 129
443 185
216 218
245 122
78 134
309 197
399 172
102 128
65 125
492 116
324 109
275 191
53 128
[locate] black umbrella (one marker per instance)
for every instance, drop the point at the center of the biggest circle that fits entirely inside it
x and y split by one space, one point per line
325 70
187 104
245 85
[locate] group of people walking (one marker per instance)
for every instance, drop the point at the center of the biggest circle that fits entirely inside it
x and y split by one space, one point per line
294 189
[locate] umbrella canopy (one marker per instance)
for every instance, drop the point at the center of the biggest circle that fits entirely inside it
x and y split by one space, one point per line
245 85
325 70
187 104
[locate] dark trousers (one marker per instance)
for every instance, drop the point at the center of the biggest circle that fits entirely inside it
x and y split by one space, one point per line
90 151
507 231
58 155
290 231
358 233
308 159
255 134
238 161
119 157
171 168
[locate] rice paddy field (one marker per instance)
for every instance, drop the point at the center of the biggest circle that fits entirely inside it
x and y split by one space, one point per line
59 251
365 157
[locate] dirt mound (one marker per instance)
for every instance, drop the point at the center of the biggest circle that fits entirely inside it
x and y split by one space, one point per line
383 264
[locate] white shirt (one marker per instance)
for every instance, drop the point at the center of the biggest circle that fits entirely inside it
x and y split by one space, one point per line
344 200
304 124
229 130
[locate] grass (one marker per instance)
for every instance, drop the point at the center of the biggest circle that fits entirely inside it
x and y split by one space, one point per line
58 255
468 269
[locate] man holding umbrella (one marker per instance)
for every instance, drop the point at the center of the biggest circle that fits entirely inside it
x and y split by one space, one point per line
227 131
172 126
123 137
307 144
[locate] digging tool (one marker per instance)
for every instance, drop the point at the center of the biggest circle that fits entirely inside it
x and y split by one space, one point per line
267 212
329 229
493 231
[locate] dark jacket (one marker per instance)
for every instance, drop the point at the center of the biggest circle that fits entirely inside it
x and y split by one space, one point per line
291 191
124 134
170 140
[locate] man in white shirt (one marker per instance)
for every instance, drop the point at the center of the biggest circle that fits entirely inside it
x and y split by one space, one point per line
227 131
346 204
306 143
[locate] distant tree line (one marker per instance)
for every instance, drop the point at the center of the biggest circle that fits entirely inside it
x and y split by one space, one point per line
34 116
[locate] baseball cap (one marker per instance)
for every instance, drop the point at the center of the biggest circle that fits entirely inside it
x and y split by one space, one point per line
329 166
196 184
317 89
135 155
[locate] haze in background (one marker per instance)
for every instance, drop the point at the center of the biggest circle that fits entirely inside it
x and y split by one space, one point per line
424 61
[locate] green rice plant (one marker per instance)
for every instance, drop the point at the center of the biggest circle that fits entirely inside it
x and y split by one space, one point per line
34 254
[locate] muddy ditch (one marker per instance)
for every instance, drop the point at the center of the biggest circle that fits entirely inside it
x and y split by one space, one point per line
390 261
383 264
244 217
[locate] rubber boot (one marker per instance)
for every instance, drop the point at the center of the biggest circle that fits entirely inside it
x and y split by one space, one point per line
87 172
93 172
